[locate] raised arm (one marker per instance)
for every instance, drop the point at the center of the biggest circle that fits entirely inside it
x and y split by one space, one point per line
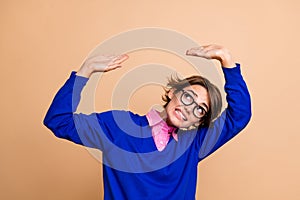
238 112
60 118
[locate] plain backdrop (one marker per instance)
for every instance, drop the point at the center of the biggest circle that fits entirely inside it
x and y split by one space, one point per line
43 41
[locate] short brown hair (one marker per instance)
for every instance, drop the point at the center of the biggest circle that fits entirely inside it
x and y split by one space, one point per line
215 98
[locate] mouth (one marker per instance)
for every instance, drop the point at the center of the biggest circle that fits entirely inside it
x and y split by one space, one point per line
180 115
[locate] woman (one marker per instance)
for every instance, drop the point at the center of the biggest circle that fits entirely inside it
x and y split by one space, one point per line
155 156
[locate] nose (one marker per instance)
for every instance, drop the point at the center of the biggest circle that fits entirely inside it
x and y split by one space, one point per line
188 109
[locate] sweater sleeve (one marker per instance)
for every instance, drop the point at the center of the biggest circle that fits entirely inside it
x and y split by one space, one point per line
232 120
62 120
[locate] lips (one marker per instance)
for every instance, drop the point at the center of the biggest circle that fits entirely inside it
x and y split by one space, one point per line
180 115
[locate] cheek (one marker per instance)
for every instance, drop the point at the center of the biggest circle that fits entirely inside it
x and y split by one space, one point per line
170 109
172 119
191 122
172 104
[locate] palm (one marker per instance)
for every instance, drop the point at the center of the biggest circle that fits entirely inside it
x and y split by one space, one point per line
213 52
104 63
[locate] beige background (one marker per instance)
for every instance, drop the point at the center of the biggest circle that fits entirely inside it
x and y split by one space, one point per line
43 41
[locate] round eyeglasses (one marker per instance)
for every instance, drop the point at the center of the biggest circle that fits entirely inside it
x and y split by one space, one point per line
187 100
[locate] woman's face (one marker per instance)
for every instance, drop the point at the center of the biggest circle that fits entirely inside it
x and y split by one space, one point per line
184 116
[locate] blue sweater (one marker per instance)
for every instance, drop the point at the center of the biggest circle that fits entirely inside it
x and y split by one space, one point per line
132 166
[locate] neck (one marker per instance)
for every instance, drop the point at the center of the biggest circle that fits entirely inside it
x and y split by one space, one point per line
164 116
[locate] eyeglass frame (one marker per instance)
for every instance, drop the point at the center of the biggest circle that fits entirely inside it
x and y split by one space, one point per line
193 101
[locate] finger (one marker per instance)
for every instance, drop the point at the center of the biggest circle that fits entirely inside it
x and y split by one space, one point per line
102 58
194 51
120 59
112 67
211 47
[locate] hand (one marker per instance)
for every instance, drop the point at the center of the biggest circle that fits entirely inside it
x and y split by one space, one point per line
101 63
213 52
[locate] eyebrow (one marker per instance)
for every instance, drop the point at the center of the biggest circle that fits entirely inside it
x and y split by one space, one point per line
204 104
193 92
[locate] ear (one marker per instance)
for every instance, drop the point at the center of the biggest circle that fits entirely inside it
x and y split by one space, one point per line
171 93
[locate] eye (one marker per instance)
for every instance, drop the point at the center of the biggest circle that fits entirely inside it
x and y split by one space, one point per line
200 110
188 98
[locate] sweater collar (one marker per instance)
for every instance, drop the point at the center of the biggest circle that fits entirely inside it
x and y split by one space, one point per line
155 120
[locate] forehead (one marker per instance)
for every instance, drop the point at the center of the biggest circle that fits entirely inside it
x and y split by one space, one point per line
199 93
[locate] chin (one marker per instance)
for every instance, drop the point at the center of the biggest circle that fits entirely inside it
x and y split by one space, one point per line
177 123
